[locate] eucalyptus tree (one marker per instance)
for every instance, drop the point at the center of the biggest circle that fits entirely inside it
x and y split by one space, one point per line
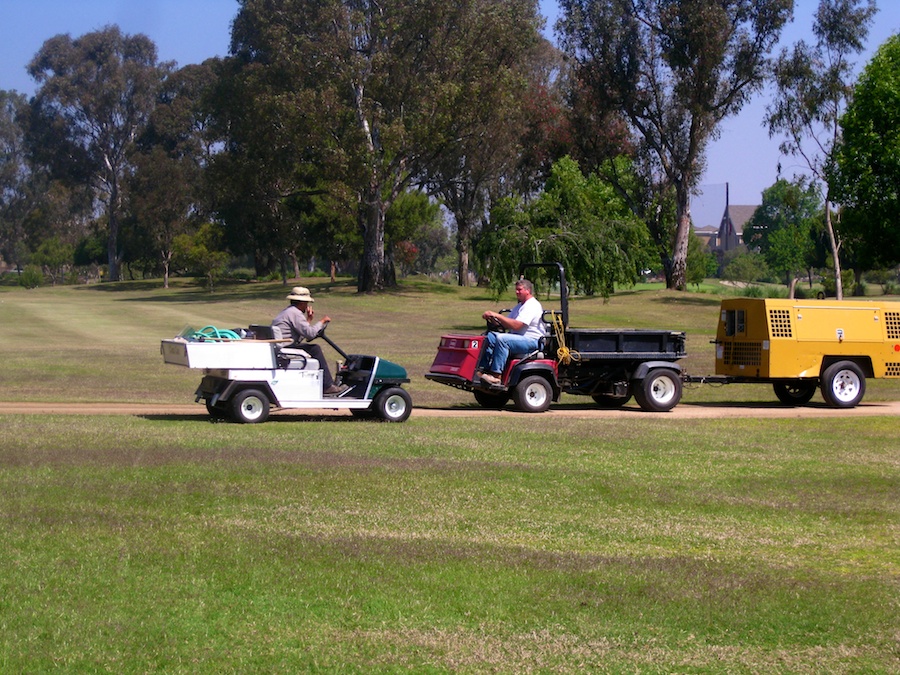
481 154
95 95
813 86
382 83
261 181
165 194
674 69
15 172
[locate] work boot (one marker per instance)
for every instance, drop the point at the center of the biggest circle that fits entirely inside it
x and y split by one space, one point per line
335 390
490 379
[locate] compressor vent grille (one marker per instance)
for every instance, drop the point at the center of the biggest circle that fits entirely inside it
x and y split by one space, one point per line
743 354
892 325
781 323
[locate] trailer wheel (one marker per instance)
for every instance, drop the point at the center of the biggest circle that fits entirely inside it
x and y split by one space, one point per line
659 391
797 392
250 406
609 402
393 404
533 394
843 384
489 400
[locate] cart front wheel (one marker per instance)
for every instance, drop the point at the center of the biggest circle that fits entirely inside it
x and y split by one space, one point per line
393 404
250 406
659 391
843 384
533 394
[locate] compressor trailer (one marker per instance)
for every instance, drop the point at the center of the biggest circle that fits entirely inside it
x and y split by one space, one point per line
802 345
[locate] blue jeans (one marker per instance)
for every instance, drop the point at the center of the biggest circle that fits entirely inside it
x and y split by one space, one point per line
498 347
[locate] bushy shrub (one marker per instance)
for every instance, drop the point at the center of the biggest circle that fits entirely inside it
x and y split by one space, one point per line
754 291
31 277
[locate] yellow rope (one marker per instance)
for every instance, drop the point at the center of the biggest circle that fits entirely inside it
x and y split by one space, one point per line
564 355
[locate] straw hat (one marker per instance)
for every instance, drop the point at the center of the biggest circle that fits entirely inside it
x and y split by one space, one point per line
300 293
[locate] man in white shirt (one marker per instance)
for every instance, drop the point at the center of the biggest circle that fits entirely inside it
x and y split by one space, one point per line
524 326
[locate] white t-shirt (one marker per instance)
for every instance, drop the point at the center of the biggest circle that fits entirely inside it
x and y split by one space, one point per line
531 314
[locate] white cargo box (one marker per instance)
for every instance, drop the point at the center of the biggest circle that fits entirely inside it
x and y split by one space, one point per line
237 354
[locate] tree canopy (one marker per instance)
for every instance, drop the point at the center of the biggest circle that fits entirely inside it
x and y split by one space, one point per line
786 227
96 93
813 85
388 86
674 71
579 221
866 169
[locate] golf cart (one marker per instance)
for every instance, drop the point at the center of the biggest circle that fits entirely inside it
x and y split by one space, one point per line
247 371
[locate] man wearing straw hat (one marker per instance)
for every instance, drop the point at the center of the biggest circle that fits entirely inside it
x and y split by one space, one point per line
295 321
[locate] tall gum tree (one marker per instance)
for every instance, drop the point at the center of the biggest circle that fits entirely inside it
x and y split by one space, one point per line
387 81
813 86
99 90
673 69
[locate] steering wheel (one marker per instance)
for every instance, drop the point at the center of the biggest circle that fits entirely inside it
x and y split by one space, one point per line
494 325
321 332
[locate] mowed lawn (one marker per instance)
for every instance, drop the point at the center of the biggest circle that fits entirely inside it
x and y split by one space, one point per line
518 543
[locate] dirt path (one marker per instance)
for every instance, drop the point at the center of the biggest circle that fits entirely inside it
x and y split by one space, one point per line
682 411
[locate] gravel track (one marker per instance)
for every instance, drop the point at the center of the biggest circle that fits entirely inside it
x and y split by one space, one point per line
681 411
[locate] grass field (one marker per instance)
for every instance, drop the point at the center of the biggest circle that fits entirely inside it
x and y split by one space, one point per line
522 543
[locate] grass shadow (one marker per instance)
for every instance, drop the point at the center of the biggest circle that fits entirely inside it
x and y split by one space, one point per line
695 300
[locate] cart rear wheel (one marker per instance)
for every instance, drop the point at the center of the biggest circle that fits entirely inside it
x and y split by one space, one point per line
533 394
250 406
393 404
491 401
659 391
794 393
843 384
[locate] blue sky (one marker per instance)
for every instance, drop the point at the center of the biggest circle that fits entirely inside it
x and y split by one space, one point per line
189 31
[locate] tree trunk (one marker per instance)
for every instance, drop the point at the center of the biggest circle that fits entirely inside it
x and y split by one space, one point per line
678 280
371 271
835 244
792 286
463 233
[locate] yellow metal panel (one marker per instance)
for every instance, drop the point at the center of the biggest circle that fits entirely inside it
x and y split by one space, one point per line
773 338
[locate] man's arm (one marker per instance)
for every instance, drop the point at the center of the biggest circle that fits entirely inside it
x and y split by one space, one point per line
503 321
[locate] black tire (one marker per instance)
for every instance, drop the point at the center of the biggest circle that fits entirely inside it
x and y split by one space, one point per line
533 394
659 391
609 401
217 412
490 400
843 384
393 404
250 406
797 392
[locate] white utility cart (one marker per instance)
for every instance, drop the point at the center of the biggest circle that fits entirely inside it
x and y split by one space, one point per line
243 377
